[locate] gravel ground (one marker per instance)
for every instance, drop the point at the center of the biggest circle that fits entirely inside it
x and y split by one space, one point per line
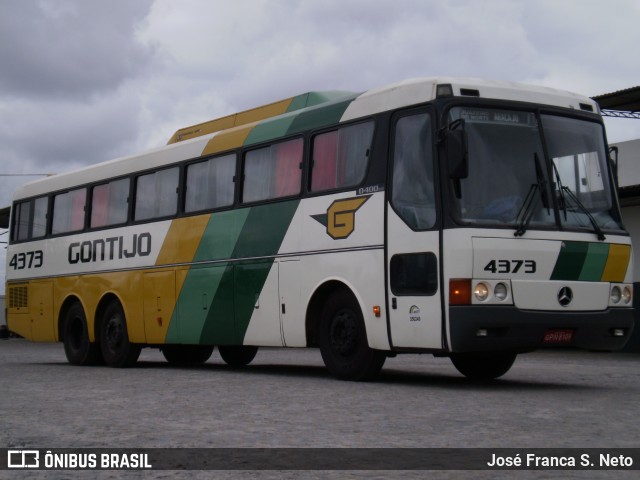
286 399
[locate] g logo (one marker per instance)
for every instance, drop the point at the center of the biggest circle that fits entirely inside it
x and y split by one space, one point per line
340 218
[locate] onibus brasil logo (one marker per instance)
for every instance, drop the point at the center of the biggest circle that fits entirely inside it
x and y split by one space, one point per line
340 219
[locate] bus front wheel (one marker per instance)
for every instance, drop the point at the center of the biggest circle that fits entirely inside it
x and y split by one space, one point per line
343 340
187 354
117 350
237 355
75 336
483 366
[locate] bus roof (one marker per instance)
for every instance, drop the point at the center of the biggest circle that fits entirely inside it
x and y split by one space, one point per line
292 115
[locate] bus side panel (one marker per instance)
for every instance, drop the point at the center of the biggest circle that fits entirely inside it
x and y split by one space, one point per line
41 311
90 289
342 236
158 304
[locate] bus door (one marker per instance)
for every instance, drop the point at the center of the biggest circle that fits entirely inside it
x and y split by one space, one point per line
415 311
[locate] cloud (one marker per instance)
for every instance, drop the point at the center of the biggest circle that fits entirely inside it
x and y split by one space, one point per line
68 48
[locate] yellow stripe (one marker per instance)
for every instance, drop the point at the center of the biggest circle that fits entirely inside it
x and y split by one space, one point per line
227 140
617 263
182 240
237 119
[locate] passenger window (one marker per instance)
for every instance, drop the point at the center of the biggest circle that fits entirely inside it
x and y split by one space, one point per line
21 221
412 194
340 158
157 194
110 203
210 183
68 211
273 171
41 205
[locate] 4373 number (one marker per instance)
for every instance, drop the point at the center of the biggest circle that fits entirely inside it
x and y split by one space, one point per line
23 260
511 266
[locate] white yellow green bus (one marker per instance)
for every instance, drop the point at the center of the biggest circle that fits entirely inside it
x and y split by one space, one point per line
459 217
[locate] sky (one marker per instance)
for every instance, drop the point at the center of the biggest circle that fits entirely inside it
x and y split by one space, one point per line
84 81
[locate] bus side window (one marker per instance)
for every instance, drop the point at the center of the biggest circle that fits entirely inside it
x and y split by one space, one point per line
40 207
21 221
273 171
340 157
109 203
210 183
68 211
412 195
157 194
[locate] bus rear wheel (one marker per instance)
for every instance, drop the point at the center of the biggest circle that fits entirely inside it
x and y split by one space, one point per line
343 340
237 355
483 366
187 354
75 336
117 350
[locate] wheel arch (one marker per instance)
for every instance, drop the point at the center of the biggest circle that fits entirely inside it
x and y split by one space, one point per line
314 306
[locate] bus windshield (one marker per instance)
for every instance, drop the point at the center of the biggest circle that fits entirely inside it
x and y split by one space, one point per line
509 175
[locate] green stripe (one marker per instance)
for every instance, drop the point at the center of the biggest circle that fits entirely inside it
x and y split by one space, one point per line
269 129
261 236
216 301
203 283
319 117
595 262
570 261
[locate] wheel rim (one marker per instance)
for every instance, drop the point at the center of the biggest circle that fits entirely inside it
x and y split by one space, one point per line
114 332
343 333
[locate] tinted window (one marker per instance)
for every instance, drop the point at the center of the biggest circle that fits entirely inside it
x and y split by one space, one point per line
41 206
68 211
21 221
273 171
157 194
412 195
414 274
340 157
109 203
210 183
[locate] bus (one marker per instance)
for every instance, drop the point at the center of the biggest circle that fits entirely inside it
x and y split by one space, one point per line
460 217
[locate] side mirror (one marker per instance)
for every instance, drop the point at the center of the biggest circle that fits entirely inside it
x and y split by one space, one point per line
457 153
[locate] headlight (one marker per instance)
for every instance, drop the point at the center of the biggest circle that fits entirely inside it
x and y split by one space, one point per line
481 292
626 295
616 295
500 291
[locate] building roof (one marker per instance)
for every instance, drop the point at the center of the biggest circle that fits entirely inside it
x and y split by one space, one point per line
623 103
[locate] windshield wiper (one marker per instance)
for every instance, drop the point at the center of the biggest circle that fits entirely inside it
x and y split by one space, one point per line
525 214
563 204
596 227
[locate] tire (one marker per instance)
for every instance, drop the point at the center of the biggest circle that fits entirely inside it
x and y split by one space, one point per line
483 366
75 336
237 355
187 354
117 350
343 340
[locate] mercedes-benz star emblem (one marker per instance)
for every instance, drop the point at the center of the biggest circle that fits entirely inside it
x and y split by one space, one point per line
565 295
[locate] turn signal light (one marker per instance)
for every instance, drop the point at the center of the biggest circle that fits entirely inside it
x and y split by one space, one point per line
460 291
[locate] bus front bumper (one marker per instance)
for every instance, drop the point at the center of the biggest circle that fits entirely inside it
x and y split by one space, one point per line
487 328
